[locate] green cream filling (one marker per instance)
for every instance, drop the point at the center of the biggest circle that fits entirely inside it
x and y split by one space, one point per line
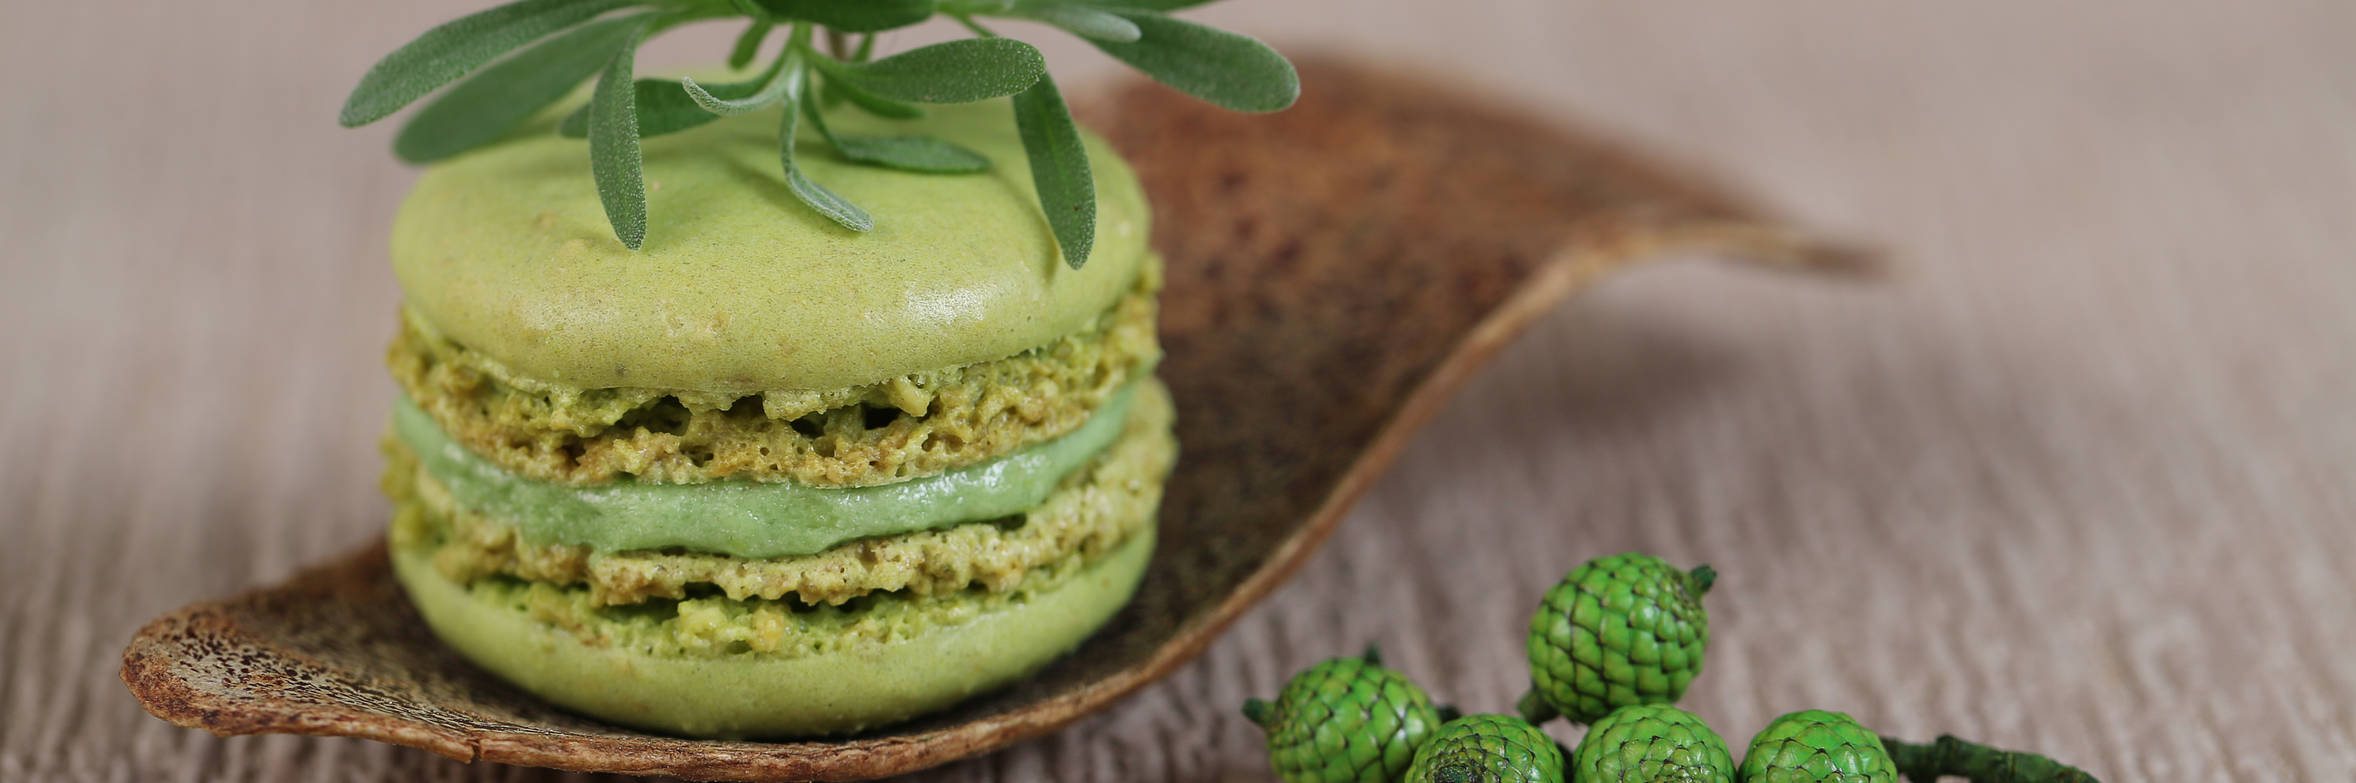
753 519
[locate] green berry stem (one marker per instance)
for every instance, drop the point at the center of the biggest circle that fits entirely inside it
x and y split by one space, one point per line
1703 576
1533 708
1949 755
1256 711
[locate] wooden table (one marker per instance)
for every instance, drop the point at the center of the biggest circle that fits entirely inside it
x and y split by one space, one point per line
2081 478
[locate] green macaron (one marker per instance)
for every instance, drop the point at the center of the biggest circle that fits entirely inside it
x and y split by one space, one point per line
767 477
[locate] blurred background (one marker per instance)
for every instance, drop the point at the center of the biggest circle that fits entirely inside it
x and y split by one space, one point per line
2077 478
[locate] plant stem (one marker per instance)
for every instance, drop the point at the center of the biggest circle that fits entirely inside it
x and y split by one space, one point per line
748 45
1703 577
970 24
1257 711
1534 708
1949 755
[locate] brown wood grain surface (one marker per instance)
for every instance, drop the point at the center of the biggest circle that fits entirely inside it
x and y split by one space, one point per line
2082 477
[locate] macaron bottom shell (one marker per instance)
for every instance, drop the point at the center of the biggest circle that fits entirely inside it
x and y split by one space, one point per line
919 669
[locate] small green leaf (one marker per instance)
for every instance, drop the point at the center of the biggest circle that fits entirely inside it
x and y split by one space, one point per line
615 161
816 196
922 154
772 87
456 47
960 71
1229 69
827 202
748 44
663 107
1084 21
499 98
1059 168
837 89
852 16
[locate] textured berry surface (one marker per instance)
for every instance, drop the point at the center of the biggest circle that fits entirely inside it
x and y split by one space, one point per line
1652 743
1347 720
1488 749
1619 630
1816 746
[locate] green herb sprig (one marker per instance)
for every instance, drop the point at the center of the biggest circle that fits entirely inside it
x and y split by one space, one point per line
510 62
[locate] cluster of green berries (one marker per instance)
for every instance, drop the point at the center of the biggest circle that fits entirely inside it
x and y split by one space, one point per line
1614 645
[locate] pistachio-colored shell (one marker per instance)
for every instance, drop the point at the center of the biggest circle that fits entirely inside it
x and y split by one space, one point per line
892 671
739 288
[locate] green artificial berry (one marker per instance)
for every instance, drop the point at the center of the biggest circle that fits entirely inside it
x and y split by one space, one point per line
1652 743
1619 630
1488 749
1816 746
1347 720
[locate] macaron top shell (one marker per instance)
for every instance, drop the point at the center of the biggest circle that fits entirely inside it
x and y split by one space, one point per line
739 288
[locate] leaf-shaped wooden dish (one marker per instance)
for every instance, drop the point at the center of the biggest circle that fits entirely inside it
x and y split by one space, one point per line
1335 272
